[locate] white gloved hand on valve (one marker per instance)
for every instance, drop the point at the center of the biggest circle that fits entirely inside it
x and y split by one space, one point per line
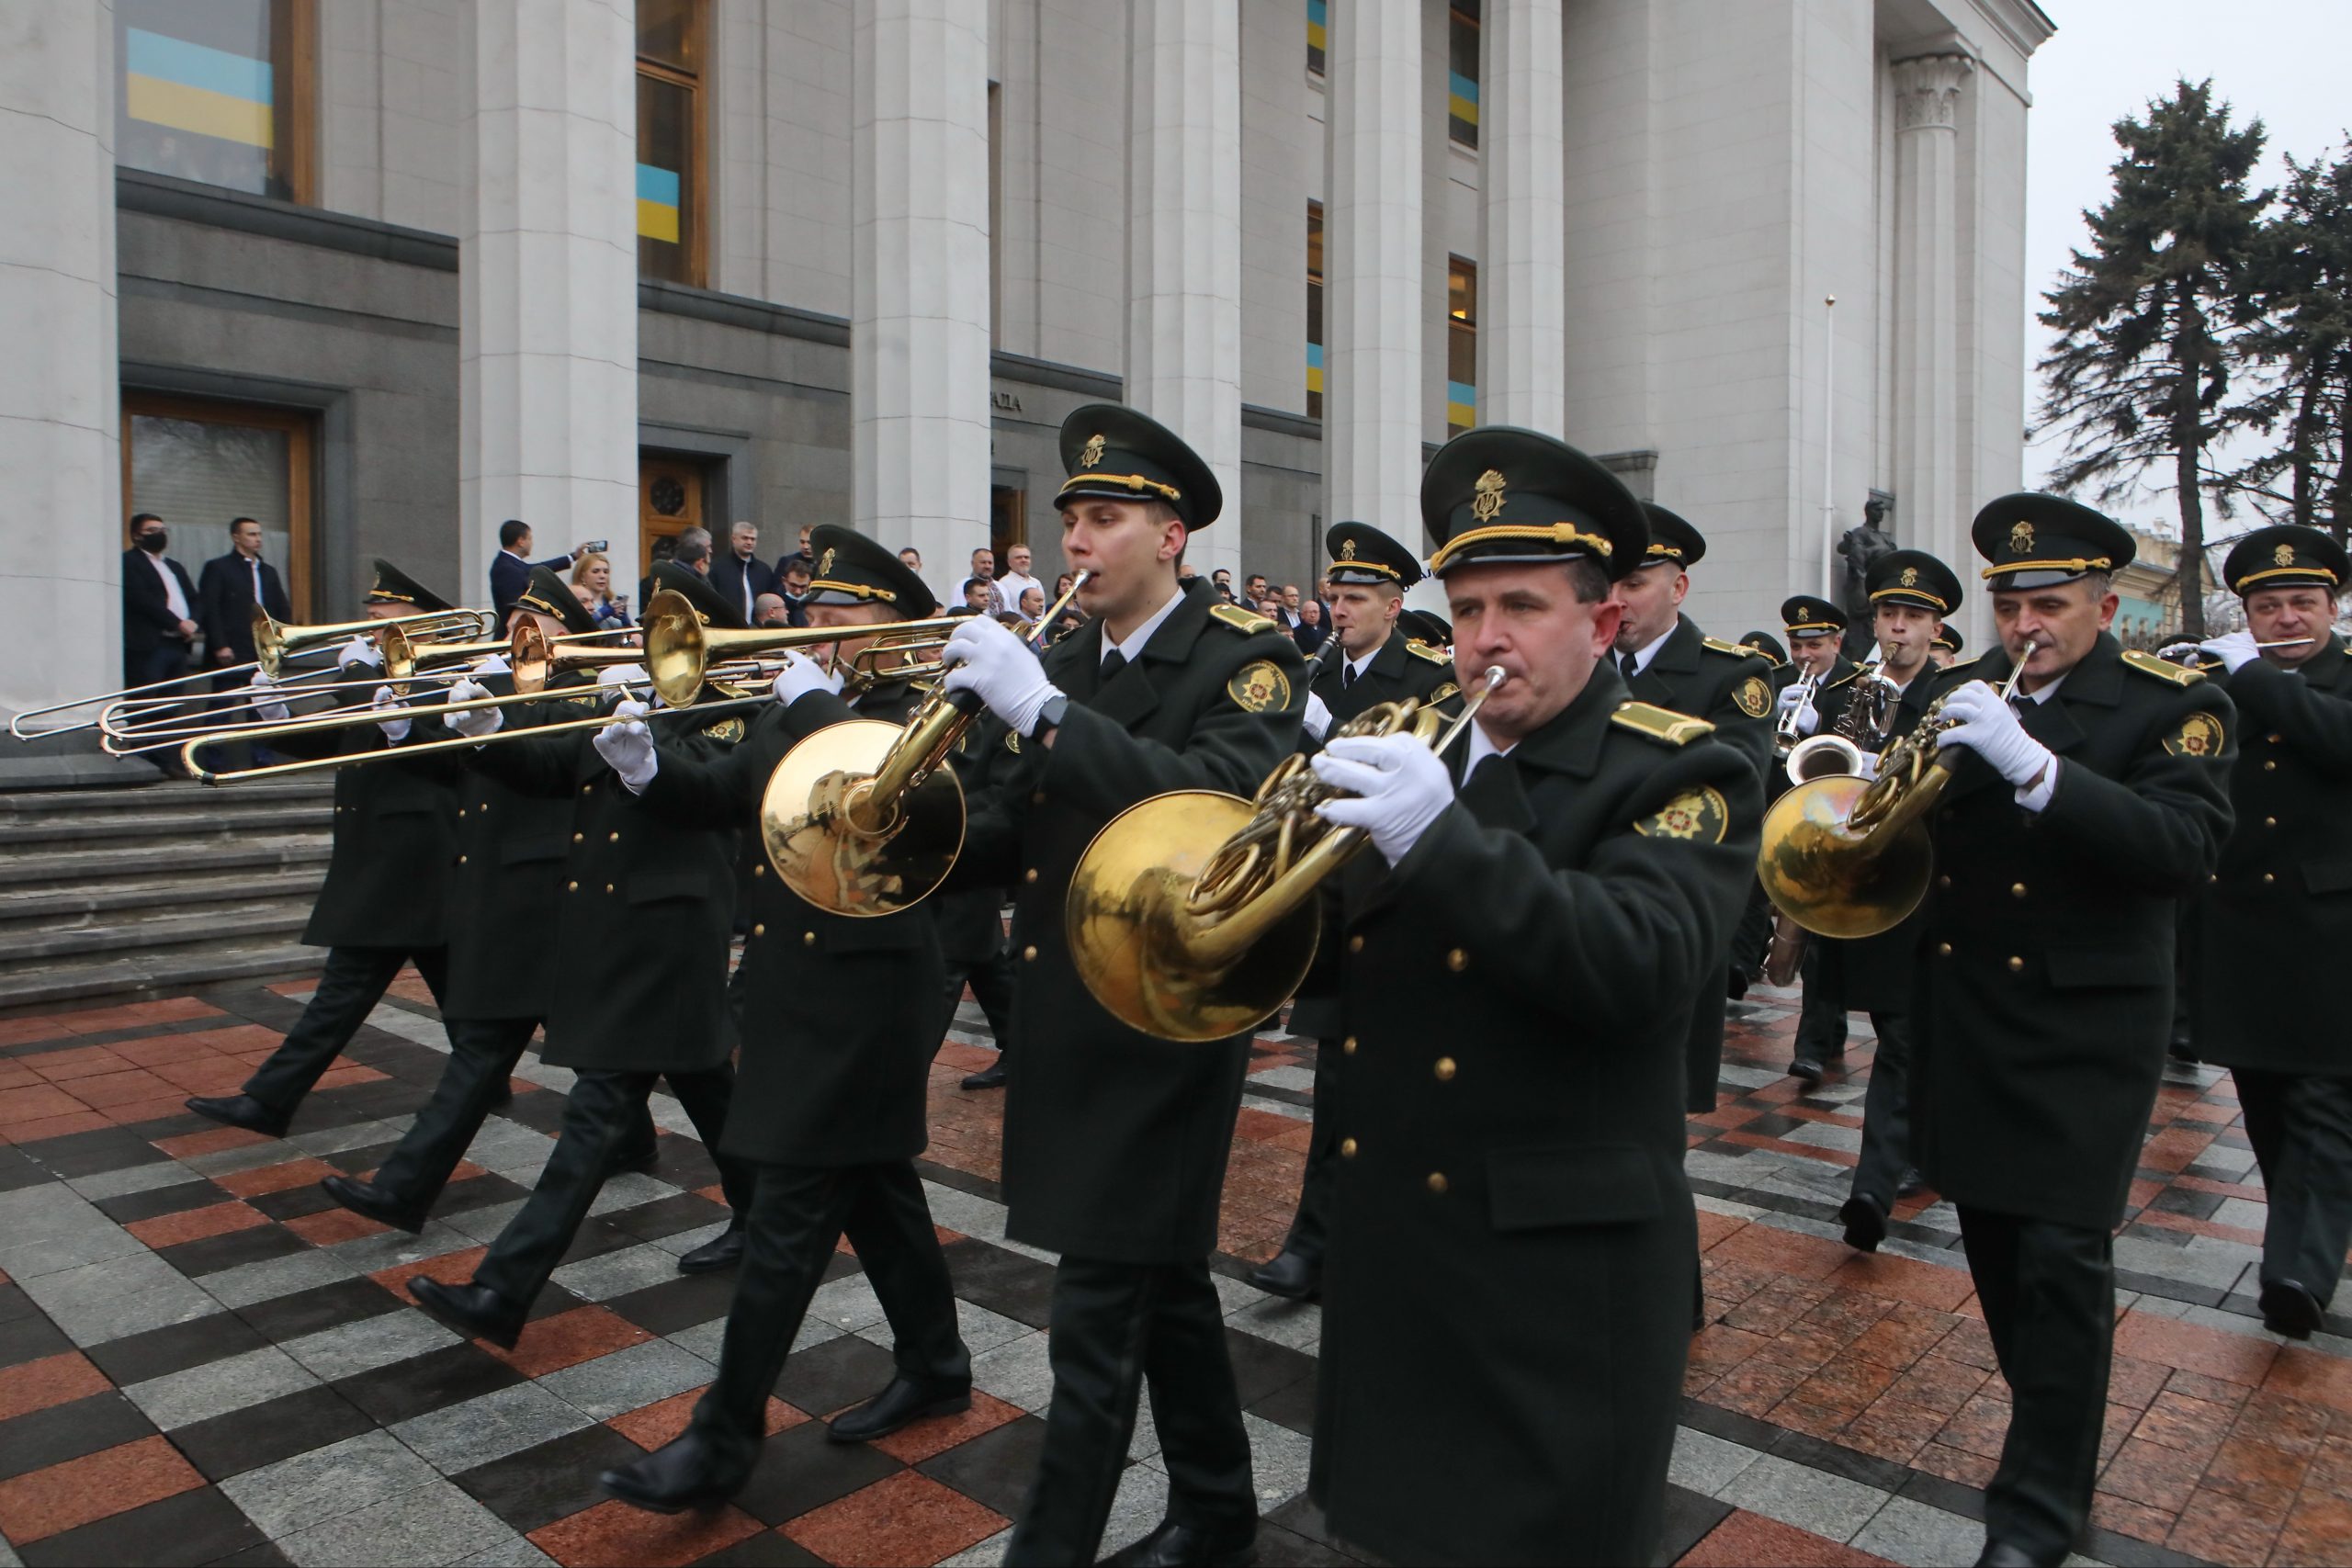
802 675
987 659
475 723
628 747
1796 700
273 711
359 650
2235 651
389 718
1318 716
1991 728
1396 786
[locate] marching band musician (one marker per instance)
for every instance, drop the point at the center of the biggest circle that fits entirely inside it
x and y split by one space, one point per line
840 1019
650 904
1369 574
1944 652
2073 822
1527 902
1815 630
2285 886
1115 1143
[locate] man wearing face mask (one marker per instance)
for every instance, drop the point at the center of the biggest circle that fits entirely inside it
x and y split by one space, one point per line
158 611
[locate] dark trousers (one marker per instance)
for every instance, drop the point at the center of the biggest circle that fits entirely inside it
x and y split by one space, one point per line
1114 1326
973 933
797 1214
1308 1227
2048 1291
1886 1114
1821 1020
600 1119
350 985
2300 1127
1752 938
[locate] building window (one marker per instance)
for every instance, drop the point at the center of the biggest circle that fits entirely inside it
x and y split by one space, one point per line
1315 310
1462 48
670 114
200 465
1461 344
219 91
1318 35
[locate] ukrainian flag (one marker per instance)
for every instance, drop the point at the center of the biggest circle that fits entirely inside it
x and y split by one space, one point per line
186 86
657 203
1461 405
1463 98
1314 367
1316 32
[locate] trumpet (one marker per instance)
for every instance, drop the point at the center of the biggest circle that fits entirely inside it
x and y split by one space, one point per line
1845 856
1190 916
1786 736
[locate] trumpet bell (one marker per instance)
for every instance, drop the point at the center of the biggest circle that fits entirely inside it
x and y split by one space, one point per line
814 841
1830 880
1130 884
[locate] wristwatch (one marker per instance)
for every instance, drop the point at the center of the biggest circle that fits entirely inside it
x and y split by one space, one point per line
1049 716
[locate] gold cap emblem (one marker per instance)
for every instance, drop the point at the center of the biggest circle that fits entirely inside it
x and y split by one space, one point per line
2021 538
1091 453
1348 550
825 564
1910 577
2284 555
1486 496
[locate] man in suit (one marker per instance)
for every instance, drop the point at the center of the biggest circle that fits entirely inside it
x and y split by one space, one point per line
739 575
2283 888
510 568
1512 1236
160 607
1116 1142
2076 820
228 588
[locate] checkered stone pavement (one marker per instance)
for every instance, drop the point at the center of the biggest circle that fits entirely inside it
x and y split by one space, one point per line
203 1360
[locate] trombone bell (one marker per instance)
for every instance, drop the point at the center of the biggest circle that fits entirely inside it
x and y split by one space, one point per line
808 823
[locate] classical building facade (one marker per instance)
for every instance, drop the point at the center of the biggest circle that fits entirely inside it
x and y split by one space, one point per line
383 273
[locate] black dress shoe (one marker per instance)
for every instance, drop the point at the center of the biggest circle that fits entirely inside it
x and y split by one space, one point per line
2288 1309
2008 1554
1865 1224
721 1251
1172 1545
2183 1051
638 1160
682 1473
989 1077
1805 1067
903 1402
1912 1184
242 1111
368 1199
502 1096
1290 1276
1735 985
475 1311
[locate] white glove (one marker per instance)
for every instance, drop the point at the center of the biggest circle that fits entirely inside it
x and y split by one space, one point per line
802 675
1318 716
479 722
387 702
1396 785
1795 699
621 675
271 712
2234 650
358 651
495 664
628 747
987 659
1991 728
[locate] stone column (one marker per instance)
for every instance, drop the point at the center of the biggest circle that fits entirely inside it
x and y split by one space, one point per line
1929 487
61 595
919 246
1184 240
546 264
1372 278
1522 251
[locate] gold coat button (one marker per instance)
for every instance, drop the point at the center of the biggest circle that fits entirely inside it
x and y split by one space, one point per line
1037 797
587 789
462 811
1437 1182
759 931
1943 882
1029 875
2274 739
612 838
808 939
2016 889
576 837
1348 1046
1444 1069
1457 961
2270 767
2270 821
1943 950
571 888
1029 955
2015 963
462 860
485 805
1347 1148
759 870
608 887
1355 945
2267 878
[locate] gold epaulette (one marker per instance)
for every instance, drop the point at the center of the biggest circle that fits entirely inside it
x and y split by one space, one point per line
1660 724
1960 664
1737 650
1423 650
1848 678
1239 619
2163 670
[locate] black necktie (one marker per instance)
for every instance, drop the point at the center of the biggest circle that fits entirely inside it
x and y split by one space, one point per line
1629 665
1112 662
1347 675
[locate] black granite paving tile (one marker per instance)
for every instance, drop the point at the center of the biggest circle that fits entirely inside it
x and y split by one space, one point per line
433 1381
1689 1517
93 1152
961 1180
478 1192
198 1342
1003 1281
595 1238
19 1170
769 1549
1800 1448
31 1337
195 1527
802 1469
995 1468
1262 1368
824 1378
1291 1406
68 1431
362 1159
322 1306
292 1203
668 1216
1281 1547
132 1207
677 1304
264 1433
551 1480
257 1244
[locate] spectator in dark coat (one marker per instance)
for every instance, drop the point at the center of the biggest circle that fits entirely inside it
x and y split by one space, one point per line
159 607
228 589
510 570
739 573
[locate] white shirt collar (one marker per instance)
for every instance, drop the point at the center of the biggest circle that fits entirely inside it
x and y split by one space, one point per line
2049 689
1479 747
1356 667
1134 640
1641 656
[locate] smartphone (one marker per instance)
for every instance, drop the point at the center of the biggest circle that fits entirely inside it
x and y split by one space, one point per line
597 545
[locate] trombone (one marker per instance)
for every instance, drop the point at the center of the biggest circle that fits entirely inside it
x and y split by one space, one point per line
681 653
2189 652
1191 915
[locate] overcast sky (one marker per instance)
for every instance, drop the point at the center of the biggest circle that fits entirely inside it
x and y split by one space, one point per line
2284 61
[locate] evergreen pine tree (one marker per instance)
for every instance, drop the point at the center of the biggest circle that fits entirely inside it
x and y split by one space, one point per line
2304 337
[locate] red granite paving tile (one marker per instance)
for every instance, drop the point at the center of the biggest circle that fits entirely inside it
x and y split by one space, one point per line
1258 1126
170 1009
348 1074
2225 1189
60 1497
1752 1541
2271 1417
15 1074
1980 1425
2135 1519
1799 1413
2196 1385
717 1194
2222 1529
187 1146
658 1423
274 1178
1717 1348
568 1339
329 1226
2116 1429
2173 1149
2331 1471
1904 1279
101 1089
215 1072
1903 1335
30 1030
913 1445
2192 1426
2132 1382
1955 1464
138 1111
2165 1220
1802 1151
614 1535
53 1126
450 1269
1796 1112
902 1518
2313 1377
1754 1388
1847 1383
53 1380
1802 1348
37 1103
1297 1140
1938 1383
1892 1430
1714 1228
2257 1472
195 1224
2317 1530
2146 1472
238 1037
81 1062
158 1049
2214 1351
